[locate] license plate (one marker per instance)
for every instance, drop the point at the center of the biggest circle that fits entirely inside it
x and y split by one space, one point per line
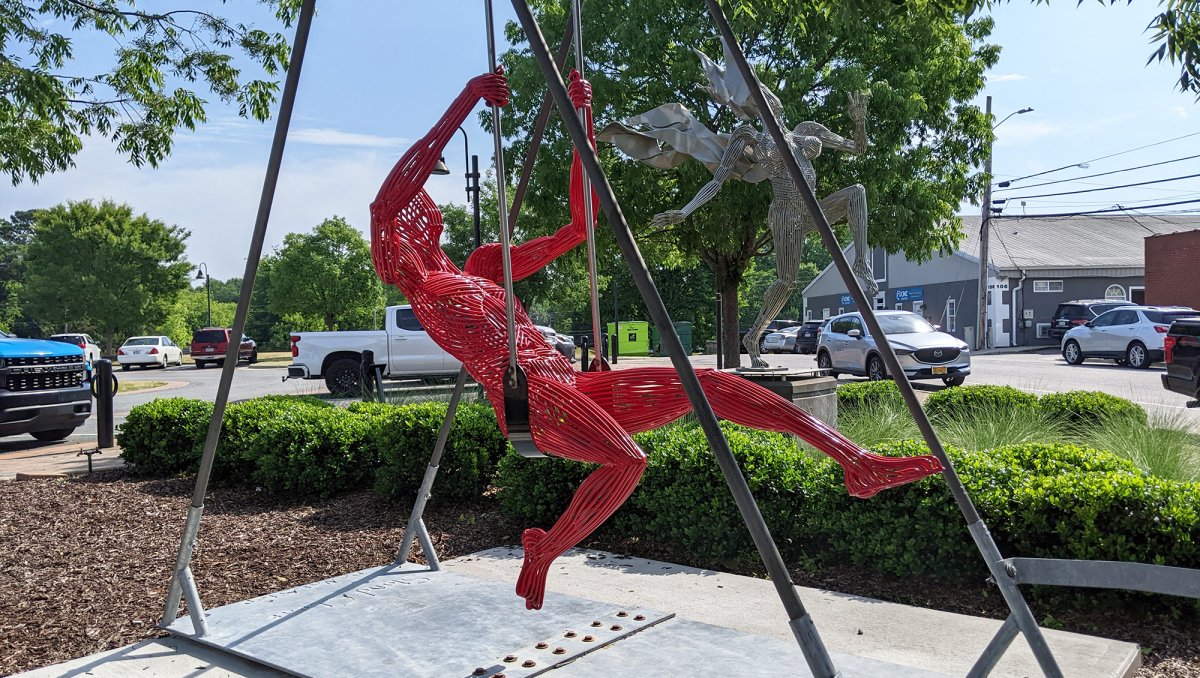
208 349
808 334
939 370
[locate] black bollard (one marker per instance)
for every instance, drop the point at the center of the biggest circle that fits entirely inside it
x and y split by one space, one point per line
370 377
104 387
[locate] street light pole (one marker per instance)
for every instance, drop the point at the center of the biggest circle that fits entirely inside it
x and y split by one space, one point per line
981 330
203 275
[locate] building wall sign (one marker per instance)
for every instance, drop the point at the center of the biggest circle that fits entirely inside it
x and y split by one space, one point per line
910 294
847 300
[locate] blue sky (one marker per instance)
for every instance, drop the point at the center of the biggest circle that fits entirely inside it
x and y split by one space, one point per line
1081 69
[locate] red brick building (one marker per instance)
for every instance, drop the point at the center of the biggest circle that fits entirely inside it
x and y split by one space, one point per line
1173 269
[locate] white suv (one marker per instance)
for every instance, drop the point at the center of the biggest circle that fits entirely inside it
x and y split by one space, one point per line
924 352
1130 335
90 350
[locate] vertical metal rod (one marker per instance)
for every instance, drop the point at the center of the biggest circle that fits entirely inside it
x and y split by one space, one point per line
720 347
589 225
475 199
431 470
810 643
104 405
981 331
983 540
195 607
427 547
505 235
282 123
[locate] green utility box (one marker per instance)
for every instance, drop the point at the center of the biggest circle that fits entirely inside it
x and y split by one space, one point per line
634 338
683 328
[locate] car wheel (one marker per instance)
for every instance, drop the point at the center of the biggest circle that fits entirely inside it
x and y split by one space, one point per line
53 434
1136 356
199 364
1072 353
343 379
164 363
875 369
953 381
221 363
253 358
824 363
124 368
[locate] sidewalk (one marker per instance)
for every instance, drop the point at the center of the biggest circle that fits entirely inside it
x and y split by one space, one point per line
60 460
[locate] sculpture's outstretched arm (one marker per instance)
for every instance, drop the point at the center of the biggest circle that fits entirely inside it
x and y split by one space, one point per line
858 113
742 138
531 257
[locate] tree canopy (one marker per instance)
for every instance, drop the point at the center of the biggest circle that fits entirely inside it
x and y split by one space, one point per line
326 274
97 267
50 97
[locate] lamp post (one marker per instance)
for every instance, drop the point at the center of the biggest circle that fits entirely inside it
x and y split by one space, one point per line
471 163
203 275
981 331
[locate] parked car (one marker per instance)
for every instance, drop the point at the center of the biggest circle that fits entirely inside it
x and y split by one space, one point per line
91 351
1181 348
43 388
794 339
773 326
147 351
1073 313
564 343
210 343
924 351
1130 335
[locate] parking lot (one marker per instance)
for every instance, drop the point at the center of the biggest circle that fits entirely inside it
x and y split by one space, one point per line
1039 373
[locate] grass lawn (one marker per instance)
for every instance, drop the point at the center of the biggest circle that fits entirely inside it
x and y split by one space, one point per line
129 385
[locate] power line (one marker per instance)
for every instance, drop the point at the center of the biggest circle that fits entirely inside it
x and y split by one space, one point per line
1115 209
1005 184
1106 188
1092 176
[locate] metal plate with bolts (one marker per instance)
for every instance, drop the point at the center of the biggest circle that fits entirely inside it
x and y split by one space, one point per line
573 643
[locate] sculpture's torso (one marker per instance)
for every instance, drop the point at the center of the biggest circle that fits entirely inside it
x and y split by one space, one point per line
767 154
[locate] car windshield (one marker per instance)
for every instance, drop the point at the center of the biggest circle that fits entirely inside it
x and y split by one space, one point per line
208 336
1168 317
1070 311
904 324
142 341
68 338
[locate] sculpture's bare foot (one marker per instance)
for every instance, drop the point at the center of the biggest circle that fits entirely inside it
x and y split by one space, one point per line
757 362
751 343
866 277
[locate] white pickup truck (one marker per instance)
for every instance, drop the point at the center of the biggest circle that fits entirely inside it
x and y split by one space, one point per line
402 348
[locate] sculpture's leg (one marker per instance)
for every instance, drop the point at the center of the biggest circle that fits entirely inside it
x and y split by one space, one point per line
566 423
644 398
850 204
785 222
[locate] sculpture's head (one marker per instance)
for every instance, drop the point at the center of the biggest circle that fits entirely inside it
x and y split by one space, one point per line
809 146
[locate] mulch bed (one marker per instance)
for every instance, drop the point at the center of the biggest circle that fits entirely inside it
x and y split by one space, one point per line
84 564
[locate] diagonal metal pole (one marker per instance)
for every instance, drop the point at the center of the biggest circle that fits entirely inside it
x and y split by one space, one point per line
1021 615
799 620
282 123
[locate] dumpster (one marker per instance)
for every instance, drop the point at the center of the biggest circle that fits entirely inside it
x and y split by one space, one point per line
683 328
634 338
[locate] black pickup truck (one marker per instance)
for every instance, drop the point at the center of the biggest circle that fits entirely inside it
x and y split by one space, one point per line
1182 354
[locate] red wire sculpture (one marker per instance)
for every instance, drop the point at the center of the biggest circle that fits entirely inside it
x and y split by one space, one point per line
585 416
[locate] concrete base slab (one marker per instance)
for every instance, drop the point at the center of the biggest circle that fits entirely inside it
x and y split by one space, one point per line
722 624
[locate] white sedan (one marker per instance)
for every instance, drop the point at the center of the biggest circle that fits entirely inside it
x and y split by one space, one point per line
146 351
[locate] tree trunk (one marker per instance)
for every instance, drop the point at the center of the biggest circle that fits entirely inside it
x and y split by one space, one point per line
730 316
329 321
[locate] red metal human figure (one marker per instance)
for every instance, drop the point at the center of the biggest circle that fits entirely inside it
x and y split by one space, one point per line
585 416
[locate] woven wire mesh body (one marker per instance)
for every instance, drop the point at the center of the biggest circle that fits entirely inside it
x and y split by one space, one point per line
582 416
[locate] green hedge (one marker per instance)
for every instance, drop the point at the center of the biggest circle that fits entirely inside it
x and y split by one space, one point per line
859 394
165 436
1090 408
960 401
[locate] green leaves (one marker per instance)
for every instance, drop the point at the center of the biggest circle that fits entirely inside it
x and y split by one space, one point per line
47 106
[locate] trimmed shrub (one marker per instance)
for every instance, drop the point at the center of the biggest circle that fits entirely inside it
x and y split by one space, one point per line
165 436
1090 408
963 400
535 492
404 437
859 394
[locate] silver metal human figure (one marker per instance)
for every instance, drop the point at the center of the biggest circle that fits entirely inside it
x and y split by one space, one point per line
751 155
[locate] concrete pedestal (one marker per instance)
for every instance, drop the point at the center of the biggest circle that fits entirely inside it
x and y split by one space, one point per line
809 389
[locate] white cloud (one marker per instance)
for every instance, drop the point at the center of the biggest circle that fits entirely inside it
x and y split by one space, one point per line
335 137
1009 77
1178 111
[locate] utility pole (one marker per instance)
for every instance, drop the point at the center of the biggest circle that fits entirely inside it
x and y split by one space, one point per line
981 330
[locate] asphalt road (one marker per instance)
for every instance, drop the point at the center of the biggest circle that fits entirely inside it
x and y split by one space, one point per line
1035 372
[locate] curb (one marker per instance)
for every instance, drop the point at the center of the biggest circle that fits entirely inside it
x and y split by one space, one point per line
41 476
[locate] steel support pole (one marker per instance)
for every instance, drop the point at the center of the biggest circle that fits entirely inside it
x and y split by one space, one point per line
981 332
423 494
1023 617
801 624
283 122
